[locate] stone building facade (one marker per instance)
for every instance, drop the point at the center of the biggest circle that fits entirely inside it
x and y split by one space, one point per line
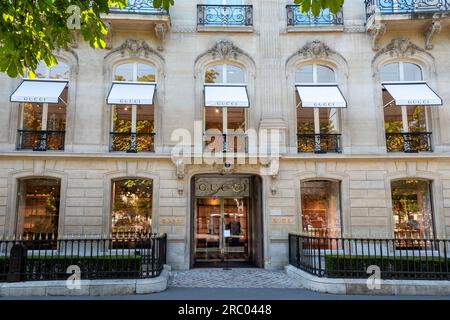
354 174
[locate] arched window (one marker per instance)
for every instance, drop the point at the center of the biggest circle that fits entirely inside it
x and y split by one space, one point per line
132 206
135 71
58 71
225 123
412 209
401 71
318 124
321 208
224 73
314 73
133 121
38 208
408 126
42 124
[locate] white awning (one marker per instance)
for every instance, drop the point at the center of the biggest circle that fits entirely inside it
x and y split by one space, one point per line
226 96
39 91
413 94
321 96
132 93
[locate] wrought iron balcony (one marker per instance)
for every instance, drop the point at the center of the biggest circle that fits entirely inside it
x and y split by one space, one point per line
132 142
295 17
224 15
406 6
139 6
226 143
40 140
319 143
411 142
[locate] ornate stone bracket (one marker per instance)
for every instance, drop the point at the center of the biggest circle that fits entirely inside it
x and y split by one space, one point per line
376 32
108 38
160 32
181 173
434 29
76 39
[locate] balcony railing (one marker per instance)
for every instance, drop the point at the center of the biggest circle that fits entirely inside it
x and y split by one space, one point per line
48 258
132 142
420 259
226 143
412 142
38 140
139 6
295 17
319 143
224 15
405 6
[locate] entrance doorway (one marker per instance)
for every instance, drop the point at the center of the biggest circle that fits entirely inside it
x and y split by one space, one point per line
227 222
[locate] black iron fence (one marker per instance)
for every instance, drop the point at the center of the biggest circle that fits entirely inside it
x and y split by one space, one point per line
295 17
227 143
419 259
132 142
39 140
139 6
411 142
224 15
319 143
405 6
46 258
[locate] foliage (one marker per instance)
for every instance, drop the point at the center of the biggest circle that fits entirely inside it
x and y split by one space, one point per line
31 30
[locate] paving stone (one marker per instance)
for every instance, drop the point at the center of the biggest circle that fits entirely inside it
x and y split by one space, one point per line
234 278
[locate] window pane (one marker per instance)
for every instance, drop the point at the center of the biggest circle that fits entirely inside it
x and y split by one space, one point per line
145 73
325 75
41 70
417 119
305 120
60 71
329 123
38 205
132 206
235 74
214 74
412 72
124 72
304 74
321 213
214 119
32 116
411 205
145 126
390 72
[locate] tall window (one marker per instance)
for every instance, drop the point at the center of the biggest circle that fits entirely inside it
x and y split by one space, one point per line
42 125
321 208
407 128
225 126
38 208
133 126
412 209
318 128
132 206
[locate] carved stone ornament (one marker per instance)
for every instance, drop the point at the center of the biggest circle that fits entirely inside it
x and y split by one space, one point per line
225 49
434 29
135 48
160 32
376 32
181 169
315 50
400 48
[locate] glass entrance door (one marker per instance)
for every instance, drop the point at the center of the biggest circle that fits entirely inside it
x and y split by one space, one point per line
221 231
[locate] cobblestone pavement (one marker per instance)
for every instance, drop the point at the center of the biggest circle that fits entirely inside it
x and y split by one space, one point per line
234 278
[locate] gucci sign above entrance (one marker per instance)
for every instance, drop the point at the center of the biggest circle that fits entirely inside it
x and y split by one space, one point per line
222 187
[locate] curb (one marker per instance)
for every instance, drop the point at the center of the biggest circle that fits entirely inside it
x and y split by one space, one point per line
87 287
359 286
